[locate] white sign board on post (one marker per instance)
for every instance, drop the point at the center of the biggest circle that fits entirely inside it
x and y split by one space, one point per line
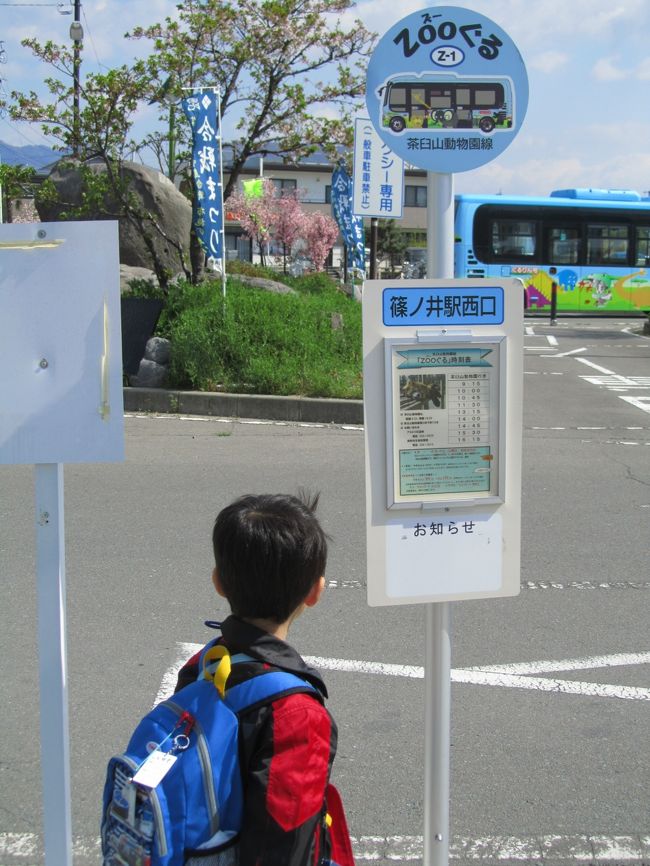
60 401
447 90
377 176
60 343
443 394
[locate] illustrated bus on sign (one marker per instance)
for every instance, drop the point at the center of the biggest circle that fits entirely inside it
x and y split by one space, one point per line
433 102
593 244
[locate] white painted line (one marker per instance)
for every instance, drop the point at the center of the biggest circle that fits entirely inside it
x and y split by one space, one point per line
583 664
22 849
597 367
552 341
504 676
572 352
529 331
642 403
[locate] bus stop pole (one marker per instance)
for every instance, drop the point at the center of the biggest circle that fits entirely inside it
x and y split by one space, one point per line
53 675
437 667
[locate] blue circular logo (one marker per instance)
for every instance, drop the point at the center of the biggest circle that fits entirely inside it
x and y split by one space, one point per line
446 89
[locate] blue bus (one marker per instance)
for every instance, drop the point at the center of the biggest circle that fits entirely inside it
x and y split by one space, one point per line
593 244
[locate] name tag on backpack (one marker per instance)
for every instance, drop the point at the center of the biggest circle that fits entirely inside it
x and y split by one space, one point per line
155 768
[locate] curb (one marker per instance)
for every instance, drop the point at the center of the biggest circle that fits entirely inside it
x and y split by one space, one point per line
313 410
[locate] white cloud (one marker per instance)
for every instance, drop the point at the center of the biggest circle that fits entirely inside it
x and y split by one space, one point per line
549 61
606 69
643 69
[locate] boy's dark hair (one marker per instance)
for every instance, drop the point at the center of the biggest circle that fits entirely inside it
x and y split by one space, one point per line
269 551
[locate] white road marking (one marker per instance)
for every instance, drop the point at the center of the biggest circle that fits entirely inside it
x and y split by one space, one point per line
21 849
516 676
552 341
642 403
572 352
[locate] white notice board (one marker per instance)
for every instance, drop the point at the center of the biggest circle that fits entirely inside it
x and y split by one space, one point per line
60 343
443 384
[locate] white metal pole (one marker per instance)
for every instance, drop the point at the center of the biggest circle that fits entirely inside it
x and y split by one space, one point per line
437 670
55 746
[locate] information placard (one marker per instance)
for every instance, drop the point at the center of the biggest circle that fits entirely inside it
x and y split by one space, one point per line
443 422
443 385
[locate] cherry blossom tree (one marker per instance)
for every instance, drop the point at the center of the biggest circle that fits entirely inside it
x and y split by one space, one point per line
289 223
255 213
319 233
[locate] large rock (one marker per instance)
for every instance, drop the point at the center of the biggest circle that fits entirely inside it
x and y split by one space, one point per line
158 195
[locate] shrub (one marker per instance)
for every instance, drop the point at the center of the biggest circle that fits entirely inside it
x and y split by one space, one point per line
260 342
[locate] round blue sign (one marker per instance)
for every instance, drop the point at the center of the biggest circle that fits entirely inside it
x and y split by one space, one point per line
447 89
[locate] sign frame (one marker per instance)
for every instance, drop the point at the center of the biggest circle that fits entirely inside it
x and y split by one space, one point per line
490 526
437 341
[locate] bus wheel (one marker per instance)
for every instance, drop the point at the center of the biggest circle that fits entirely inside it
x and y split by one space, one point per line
397 124
486 124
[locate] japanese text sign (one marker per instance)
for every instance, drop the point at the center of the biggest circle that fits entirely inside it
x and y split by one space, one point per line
201 111
449 306
350 226
443 385
447 89
378 175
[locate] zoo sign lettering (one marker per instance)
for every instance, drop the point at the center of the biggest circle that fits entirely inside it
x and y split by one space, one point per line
427 33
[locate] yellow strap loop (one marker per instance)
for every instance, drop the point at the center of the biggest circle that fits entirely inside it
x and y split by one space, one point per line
220 676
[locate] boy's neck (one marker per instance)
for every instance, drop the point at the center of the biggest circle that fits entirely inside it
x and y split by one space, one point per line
279 630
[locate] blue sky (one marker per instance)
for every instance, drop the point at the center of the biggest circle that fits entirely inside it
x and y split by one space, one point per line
588 62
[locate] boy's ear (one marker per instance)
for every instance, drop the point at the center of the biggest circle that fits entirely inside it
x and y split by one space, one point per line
217 583
315 593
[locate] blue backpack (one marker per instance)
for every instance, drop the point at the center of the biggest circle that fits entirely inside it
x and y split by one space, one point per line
175 797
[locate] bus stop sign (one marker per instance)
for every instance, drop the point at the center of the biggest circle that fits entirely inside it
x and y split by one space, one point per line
447 89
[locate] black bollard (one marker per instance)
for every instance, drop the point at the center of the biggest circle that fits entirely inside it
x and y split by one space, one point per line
553 303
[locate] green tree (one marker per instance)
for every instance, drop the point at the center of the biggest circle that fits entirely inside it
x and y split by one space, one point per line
16 181
280 65
391 242
108 105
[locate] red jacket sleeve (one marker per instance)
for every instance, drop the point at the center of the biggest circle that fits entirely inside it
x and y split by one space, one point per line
285 784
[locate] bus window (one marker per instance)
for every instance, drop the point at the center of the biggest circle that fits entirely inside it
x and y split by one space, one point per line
643 246
607 244
513 239
462 96
398 98
484 98
563 245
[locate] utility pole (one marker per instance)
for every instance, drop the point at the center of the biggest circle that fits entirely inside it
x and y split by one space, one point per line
76 34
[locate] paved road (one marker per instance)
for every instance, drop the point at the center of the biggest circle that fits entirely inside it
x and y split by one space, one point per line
549 739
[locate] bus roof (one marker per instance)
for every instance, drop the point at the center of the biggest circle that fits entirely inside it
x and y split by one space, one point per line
588 198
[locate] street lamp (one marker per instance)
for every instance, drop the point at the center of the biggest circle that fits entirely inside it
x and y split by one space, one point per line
76 34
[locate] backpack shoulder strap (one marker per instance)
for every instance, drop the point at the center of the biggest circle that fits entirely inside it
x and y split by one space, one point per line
265 688
215 664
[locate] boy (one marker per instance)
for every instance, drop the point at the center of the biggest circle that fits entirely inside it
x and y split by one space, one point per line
270 555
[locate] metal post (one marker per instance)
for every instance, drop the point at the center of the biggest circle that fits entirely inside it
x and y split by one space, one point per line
76 32
374 233
171 148
437 673
437 696
55 747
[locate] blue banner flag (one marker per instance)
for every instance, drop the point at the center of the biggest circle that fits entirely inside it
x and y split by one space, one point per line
350 226
201 111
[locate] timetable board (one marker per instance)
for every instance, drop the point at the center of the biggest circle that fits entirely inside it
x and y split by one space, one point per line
443 427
